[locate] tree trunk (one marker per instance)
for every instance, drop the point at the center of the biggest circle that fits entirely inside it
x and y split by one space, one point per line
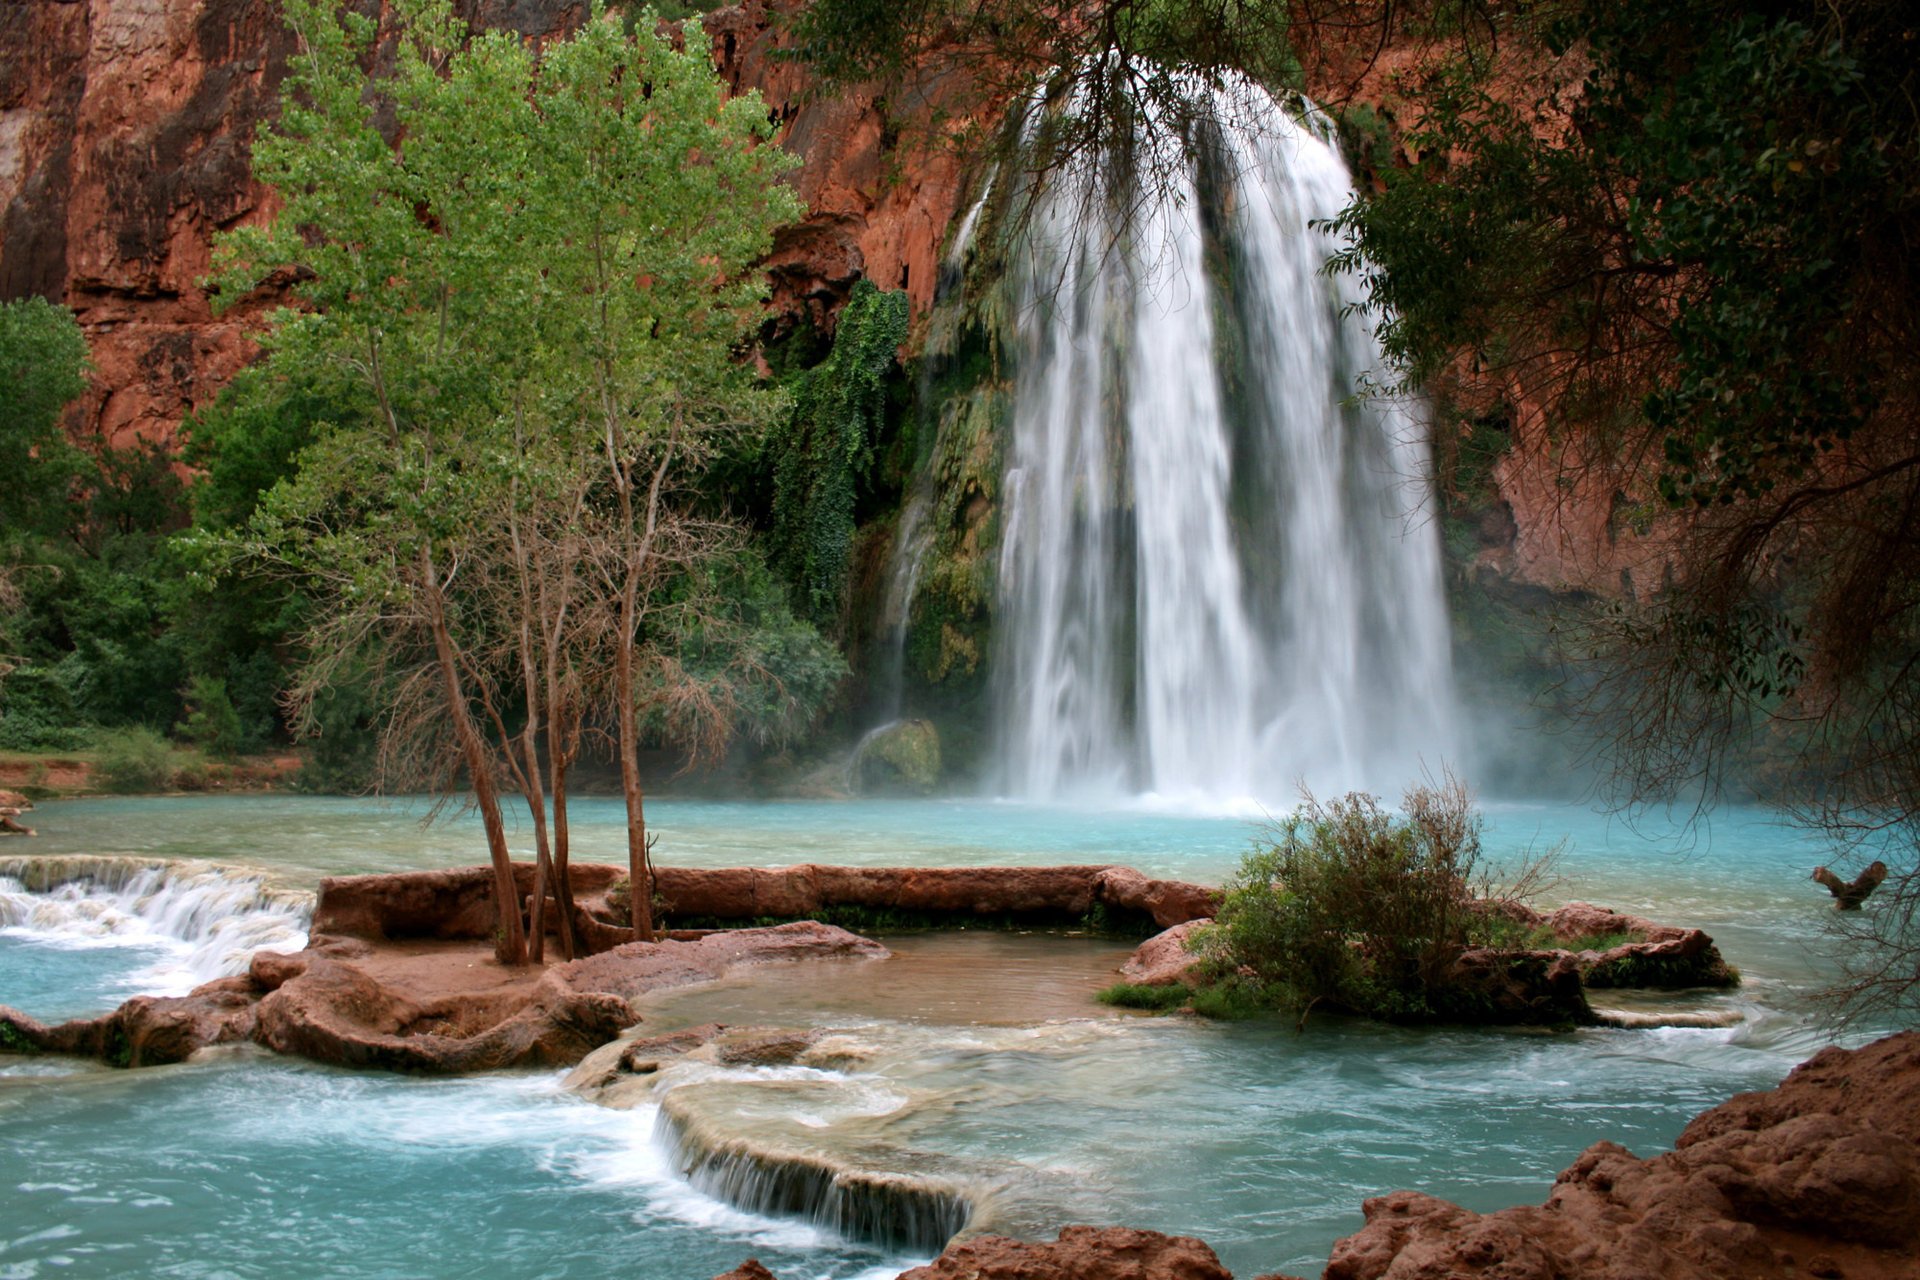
639 871
510 942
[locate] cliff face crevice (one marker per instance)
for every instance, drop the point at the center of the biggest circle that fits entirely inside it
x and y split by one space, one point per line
126 136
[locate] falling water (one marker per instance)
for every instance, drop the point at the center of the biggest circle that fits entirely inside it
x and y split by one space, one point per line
205 920
1217 576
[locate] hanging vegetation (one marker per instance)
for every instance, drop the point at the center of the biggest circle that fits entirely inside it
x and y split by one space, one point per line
824 453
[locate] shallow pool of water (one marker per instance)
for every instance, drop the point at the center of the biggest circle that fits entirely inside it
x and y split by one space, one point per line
1260 1140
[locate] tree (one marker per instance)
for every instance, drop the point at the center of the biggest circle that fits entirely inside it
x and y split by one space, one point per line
534 292
43 362
1690 251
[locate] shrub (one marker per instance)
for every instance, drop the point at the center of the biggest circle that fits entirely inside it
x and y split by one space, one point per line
1132 995
1348 905
134 760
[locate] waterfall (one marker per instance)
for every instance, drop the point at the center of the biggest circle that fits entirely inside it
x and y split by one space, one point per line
206 920
1218 577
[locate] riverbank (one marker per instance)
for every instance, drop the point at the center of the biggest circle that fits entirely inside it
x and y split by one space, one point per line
178 769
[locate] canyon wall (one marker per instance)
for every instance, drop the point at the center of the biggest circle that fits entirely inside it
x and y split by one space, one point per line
126 133
126 129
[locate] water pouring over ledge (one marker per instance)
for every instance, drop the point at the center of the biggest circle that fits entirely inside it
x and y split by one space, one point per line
1218 578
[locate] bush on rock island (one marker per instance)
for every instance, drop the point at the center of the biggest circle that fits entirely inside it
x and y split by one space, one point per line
1347 906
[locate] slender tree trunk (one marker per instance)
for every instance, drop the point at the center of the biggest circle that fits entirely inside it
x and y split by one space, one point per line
511 943
639 871
559 756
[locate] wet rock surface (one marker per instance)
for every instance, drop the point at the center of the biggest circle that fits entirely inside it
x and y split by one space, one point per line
437 1008
1819 1177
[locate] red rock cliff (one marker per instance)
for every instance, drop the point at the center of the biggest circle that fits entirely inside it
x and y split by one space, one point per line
126 130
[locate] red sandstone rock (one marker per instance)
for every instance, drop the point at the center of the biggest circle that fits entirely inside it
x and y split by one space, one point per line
434 1007
126 145
748 1270
1039 894
453 903
1163 959
1081 1253
146 1031
1820 1176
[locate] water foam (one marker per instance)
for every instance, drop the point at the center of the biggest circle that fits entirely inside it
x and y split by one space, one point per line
205 920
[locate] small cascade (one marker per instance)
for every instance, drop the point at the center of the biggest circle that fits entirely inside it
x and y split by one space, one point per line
858 1199
209 919
1217 577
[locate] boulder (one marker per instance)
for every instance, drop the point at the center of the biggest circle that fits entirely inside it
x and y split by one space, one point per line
1492 987
1163 960
903 757
12 805
1820 1176
146 1031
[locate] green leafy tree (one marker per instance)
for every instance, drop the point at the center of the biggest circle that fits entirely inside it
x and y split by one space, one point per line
43 362
522 318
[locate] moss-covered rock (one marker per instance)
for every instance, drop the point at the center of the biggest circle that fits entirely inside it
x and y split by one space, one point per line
901 757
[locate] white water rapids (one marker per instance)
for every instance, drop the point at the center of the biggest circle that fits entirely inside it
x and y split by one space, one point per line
1218 578
201 920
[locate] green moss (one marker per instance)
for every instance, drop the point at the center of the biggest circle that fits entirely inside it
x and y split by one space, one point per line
1233 999
14 1040
1663 973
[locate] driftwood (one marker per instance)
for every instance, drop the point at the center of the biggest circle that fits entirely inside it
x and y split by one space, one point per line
1849 896
12 805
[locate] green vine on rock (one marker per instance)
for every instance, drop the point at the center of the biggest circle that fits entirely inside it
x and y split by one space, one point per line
825 450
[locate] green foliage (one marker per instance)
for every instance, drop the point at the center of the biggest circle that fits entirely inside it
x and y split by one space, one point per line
520 330
745 659
1132 995
37 710
1698 220
43 361
823 455
212 723
1348 906
134 761
1232 999
13 1040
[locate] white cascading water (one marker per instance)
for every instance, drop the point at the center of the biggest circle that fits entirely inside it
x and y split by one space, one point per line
205 920
1218 577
